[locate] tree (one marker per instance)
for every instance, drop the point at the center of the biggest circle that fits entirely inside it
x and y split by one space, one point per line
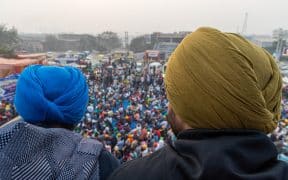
104 42
139 44
108 41
88 42
51 43
8 40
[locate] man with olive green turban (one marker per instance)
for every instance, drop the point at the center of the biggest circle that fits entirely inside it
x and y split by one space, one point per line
225 96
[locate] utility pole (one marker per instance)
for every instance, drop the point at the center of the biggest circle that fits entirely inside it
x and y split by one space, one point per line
244 27
126 40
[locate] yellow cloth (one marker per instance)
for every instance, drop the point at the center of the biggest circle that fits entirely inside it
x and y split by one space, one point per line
220 80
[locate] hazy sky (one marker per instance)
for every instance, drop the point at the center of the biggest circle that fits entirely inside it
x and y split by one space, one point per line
142 16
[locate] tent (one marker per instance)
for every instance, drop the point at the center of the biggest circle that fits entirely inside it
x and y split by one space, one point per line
15 66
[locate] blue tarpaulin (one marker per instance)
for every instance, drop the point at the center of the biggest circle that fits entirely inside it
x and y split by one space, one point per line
8 87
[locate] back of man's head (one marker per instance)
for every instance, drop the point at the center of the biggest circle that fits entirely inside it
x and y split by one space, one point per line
218 80
51 95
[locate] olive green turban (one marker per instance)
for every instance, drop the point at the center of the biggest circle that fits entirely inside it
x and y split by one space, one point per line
220 80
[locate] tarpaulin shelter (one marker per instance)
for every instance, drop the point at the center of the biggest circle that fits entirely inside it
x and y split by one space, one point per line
16 65
10 69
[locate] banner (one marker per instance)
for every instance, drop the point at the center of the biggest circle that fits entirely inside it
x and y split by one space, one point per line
8 87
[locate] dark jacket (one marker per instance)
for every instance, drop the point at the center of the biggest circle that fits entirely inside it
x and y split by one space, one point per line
32 152
107 163
209 154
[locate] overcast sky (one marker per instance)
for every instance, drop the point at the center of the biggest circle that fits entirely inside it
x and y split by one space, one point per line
142 16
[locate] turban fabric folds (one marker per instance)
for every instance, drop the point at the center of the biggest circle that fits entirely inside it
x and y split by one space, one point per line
220 80
51 94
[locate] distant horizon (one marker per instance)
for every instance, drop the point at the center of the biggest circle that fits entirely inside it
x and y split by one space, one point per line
143 16
135 34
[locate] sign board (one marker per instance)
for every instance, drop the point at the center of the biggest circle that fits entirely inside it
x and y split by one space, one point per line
8 87
153 54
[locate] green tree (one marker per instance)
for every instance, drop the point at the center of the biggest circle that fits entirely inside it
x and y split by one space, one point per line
139 44
104 42
88 42
51 43
108 41
8 40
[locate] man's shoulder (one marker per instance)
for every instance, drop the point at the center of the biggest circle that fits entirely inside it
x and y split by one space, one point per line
107 164
149 167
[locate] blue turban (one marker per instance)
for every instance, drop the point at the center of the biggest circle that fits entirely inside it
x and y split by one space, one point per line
48 94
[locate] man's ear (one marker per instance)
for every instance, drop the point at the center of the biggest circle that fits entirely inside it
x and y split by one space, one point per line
176 121
170 113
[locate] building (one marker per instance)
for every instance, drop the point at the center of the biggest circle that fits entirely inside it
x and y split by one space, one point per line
165 48
166 43
175 37
262 40
69 41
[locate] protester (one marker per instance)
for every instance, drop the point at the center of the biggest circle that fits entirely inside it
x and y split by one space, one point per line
7 112
127 110
280 134
225 95
52 101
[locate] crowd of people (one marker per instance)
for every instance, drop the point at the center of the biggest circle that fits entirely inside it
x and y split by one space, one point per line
280 134
7 111
222 105
127 110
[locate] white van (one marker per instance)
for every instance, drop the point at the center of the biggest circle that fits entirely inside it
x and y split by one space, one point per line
139 66
154 67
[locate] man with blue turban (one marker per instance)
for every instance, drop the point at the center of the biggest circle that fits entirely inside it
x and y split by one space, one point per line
51 101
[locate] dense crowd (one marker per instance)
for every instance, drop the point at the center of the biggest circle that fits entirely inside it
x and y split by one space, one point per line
224 92
7 112
127 110
280 135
